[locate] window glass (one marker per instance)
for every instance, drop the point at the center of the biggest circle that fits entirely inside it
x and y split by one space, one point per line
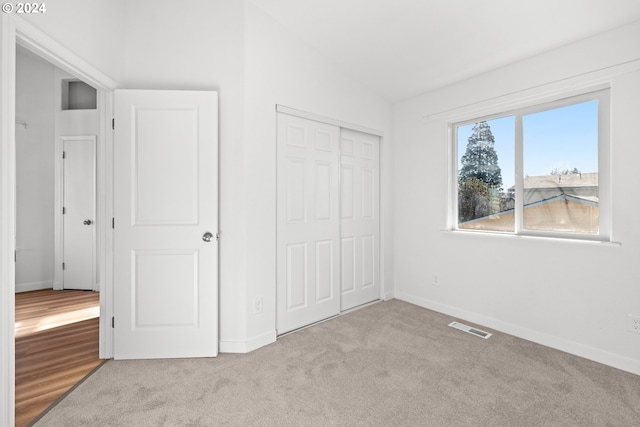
560 160
485 175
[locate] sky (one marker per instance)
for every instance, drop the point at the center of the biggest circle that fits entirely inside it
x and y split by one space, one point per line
563 138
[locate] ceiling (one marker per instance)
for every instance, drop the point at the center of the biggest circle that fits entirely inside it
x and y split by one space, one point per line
402 48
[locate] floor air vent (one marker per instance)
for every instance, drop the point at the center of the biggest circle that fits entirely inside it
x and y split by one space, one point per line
470 330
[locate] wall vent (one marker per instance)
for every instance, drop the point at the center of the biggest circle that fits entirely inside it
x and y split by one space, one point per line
470 330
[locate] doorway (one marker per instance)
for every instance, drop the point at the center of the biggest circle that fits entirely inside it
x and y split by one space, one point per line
17 32
55 180
55 184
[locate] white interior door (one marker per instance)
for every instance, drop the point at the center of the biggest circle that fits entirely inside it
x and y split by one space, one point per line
166 222
360 219
308 229
79 186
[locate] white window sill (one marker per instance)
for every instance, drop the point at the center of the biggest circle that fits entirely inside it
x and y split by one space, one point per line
498 235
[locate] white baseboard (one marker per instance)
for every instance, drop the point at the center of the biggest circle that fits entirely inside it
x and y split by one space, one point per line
248 345
389 295
571 347
35 286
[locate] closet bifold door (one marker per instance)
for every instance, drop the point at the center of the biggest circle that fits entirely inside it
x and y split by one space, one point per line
360 219
308 222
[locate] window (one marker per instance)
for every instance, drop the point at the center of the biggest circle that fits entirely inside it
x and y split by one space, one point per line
77 95
540 170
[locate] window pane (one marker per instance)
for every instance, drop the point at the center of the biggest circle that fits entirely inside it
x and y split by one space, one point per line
486 175
560 155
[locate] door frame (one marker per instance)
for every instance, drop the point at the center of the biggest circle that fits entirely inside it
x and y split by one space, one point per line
15 30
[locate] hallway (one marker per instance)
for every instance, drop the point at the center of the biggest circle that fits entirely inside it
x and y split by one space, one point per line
56 346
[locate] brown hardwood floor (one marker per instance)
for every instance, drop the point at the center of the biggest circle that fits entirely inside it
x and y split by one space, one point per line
56 346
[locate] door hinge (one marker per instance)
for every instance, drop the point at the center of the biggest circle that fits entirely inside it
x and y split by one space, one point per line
64 210
218 236
15 256
64 154
113 223
63 265
113 322
113 124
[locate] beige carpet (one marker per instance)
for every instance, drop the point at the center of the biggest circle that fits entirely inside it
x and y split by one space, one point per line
390 364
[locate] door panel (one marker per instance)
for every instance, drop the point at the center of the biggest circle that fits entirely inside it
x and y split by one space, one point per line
324 271
78 219
308 229
175 305
296 270
348 264
165 158
165 186
360 223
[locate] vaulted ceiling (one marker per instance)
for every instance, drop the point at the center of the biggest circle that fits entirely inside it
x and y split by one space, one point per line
402 48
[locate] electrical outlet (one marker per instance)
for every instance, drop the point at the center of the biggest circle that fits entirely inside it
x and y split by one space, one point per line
436 280
634 323
257 305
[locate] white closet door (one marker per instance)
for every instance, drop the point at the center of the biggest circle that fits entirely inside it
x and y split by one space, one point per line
308 227
359 210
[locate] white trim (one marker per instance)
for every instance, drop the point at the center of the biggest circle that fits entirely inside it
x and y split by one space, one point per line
519 175
452 176
475 234
14 30
385 289
39 43
7 219
248 345
327 120
534 95
605 192
104 214
34 286
388 296
58 180
571 347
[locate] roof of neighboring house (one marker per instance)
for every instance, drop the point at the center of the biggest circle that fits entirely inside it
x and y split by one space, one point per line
566 181
591 201
588 200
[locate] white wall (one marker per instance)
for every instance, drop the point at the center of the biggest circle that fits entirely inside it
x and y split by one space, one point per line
34 173
232 47
201 47
571 295
92 29
253 63
279 69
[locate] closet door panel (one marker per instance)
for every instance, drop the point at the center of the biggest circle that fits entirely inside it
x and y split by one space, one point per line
360 222
308 223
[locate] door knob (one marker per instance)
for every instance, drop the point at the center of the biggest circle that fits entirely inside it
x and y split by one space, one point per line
87 222
207 237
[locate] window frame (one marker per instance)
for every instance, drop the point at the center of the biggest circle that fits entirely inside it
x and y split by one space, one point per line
602 95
